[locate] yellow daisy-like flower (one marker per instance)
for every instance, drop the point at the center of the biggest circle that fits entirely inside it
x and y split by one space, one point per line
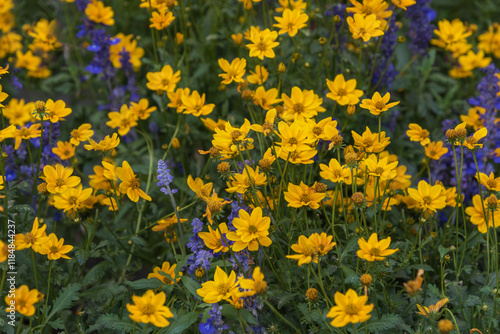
490 182
130 183
98 13
435 150
201 190
124 120
343 92
379 8
373 249
291 21
369 142
72 199
416 133
268 125
403 4
349 308
26 133
56 111
306 250
175 98
161 20
150 308
32 239
378 104
302 195
471 60
167 269
142 109
263 43
18 112
302 104
59 179
477 217
471 142
214 206
364 27
259 76
473 117
83 133
23 300
381 168
425 311
64 150
54 248
335 172
222 287
128 43
322 242
234 71
264 98
451 34
232 139
428 198
252 230
107 144
254 285
294 137
245 180
165 80
214 240
194 104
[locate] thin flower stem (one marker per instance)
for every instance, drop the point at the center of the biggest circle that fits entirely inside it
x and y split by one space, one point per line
281 316
48 290
34 267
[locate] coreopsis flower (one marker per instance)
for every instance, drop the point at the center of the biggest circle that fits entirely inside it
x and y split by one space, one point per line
489 41
194 104
44 34
264 98
165 80
159 5
294 137
471 142
301 104
64 150
414 286
364 27
128 44
83 133
477 216
263 43
27 60
349 308
304 157
232 139
201 190
268 125
165 224
435 150
150 308
247 179
306 250
54 248
214 206
322 242
291 21
490 182
255 285
161 20
142 109
98 180
124 120
474 117
471 60
248 4
107 144
343 92
378 104
18 112
416 133
259 77
59 179
130 184
252 230
222 287
26 133
72 199
98 13
335 172
56 111
381 168
32 239
402 180
234 71
8 132
403 4
167 269
451 34
373 249
211 124
379 8
302 195
324 129
175 98
214 240
291 4
428 198
10 43
432 309
23 299
369 142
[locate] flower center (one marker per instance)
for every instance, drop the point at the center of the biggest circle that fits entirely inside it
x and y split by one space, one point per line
148 309
375 251
380 105
252 229
427 200
351 309
261 46
379 170
491 183
236 134
317 130
336 173
368 142
135 183
54 249
342 92
304 198
165 82
298 108
72 200
59 182
292 141
222 288
215 206
29 238
24 132
267 126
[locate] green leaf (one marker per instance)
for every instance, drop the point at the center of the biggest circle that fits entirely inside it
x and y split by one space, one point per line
65 299
351 245
145 284
443 251
386 322
112 321
181 323
191 285
57 324
231 313
425 267
472 300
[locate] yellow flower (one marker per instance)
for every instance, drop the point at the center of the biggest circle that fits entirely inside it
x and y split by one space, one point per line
373 249
45 36
377 7
142 109
26 133
130 183
251 231
263 43
268 125
165 224
435 150
416 133
490 182
98 180
248 178
165 80
54 248
150 308
83 133
471 141
17 112
369 142
349 308
56 111
254 285
32 239
167 269
232 139
175 98
123 120
259 76
403 4
10 43
179 38
302 195
107 144
72 199
214 206
195 104
432 309
59 179
64 150
98 13
213 238
477 217
381 168
23 300
307 251
473 117
489 41
472 61
325 129
128 43
3 96
264 98
378 104
202 190
291 21
301 104
237 38
343 92
451 34
294 137
428 198
322 242
334 171
222 287
304 157
234 71
4 251
292 4
364 27
211 124
161 20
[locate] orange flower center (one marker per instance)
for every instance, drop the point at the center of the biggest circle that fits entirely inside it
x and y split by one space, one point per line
491 183
375 251
54 249
222 288
165 82
427 200
135 183
317 130
298 108
148 309
379 170
342 92
29 238
294 156
236 134
380 105
72 200
292 141
304 198
351 309
59 182
24 132
261 46
367 141
214 206
267 126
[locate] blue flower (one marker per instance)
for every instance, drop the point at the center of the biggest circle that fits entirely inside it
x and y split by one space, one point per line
165 178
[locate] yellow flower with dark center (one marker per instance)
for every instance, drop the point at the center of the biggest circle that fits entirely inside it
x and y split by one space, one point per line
83 133
56 111
307 251
26 133
64 150
23 300
234 71
18 112
59 179
214 206
378 104
263 43
403 4
429 198
98 180
304 157
166 224
130 184
255 285
44 34
343 92
381 168
432 309
302 104
222 287
54 248
175 98
325 129
322 242
474 117
264 98
142 109
32 239
246 180
471 60
292 4
414 286
364 27
98 13
252 230
107 144
232 139
260 75
302 195
161 20
165 80
335 172
150 308
471 142
490 182
369 142
124 120
435 150
72 199
128 43
373 249
194 104
291 21
168 270
416 133
214 240
201 190
268 125
477 215
295 137
379 8
451 34
349 308
402 180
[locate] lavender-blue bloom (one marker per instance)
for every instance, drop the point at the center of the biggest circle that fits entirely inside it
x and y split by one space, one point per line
216 318
420 29
165 178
